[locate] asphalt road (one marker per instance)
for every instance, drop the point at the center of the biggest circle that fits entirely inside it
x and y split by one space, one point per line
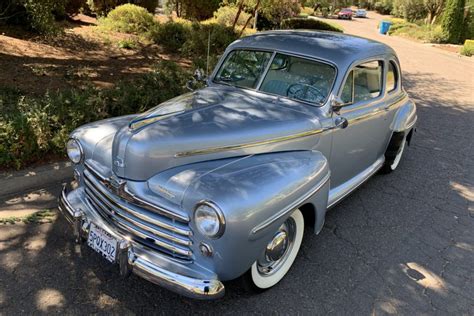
402 243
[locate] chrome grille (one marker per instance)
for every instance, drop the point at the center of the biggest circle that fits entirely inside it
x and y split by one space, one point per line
163 233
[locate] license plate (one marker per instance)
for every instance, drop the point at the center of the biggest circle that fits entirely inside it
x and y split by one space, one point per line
102 242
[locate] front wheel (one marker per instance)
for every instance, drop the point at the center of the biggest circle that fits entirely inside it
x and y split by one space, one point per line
278 256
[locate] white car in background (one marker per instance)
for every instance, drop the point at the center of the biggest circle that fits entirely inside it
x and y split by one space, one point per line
360 13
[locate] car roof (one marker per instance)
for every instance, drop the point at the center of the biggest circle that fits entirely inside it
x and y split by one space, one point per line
338 48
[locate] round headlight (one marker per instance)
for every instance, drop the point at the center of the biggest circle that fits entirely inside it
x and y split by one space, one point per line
74 151
209 219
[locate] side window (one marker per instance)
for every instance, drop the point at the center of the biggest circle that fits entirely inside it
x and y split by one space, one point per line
363 83
392 76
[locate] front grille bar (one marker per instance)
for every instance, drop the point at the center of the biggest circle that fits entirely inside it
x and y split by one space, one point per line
138 201
139 214
153 229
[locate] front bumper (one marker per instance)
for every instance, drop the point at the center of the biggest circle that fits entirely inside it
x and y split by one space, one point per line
133 257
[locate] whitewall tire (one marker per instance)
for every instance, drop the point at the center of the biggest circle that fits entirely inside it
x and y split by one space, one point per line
399 155
280 253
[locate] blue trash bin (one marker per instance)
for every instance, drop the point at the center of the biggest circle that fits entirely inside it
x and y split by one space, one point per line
384 27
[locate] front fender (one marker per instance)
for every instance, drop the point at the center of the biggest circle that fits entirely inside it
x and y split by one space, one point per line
257 193
405 118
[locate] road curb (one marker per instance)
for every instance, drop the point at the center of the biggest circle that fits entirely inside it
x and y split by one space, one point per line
13 182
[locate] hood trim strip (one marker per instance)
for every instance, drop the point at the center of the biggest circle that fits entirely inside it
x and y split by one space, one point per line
212 150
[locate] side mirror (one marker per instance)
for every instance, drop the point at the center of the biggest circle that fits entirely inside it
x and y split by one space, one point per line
199 75
336 104
198 81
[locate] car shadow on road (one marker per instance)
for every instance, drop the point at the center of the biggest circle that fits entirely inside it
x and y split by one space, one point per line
402 243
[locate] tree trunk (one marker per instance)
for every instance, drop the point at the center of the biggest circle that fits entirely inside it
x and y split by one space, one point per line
255 20
429 18
241 5
250 17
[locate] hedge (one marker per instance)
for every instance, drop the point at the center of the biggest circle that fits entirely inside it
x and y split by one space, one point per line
311 24
32 127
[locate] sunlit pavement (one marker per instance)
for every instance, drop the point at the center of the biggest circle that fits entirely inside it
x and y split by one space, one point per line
402 243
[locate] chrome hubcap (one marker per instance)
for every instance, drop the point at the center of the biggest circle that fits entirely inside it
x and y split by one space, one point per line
278 248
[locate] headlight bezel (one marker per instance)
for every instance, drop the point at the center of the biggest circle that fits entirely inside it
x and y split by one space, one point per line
219 215
79 147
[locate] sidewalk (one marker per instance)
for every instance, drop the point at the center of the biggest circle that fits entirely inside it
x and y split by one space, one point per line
25 192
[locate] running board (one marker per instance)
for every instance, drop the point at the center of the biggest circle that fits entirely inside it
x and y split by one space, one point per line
338 193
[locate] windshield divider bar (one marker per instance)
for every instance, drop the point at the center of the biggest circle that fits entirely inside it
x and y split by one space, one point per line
267 68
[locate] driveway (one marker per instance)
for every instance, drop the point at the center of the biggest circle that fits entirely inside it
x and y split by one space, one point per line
402 243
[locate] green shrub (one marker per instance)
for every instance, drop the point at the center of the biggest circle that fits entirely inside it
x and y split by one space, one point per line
383 7
17 139
468 48
33 127
468 27
37 15
128 43
128 18
411 10
225 15
425 32
311 24
197 41
171 35
193 9
452 21
307 11
102 7
191 39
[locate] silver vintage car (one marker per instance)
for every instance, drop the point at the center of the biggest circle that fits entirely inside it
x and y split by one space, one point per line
220 183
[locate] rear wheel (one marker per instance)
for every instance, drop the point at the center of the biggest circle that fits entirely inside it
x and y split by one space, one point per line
394 152
278 256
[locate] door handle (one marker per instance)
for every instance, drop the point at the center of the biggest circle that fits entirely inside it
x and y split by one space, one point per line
341 122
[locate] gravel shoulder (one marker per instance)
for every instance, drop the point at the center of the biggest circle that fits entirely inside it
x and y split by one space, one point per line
403 243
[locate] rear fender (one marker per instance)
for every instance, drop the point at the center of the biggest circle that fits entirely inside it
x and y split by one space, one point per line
405 118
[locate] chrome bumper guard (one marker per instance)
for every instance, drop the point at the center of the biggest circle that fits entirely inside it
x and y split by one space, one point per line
133 257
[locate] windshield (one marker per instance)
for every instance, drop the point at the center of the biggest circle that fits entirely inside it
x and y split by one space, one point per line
243 68
288 76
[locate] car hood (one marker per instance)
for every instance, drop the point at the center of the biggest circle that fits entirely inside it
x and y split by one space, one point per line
211 123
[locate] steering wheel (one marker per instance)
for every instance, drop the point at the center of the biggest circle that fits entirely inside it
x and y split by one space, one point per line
305 92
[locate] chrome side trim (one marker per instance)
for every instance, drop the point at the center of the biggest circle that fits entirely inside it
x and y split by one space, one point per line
292 206
338 193
252 144
367 115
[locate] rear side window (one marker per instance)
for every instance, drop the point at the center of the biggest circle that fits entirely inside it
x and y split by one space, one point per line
392 76
363 83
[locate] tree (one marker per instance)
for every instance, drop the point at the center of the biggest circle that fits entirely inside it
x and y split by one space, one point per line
468 27
194 9
411 10
434 8
453 20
